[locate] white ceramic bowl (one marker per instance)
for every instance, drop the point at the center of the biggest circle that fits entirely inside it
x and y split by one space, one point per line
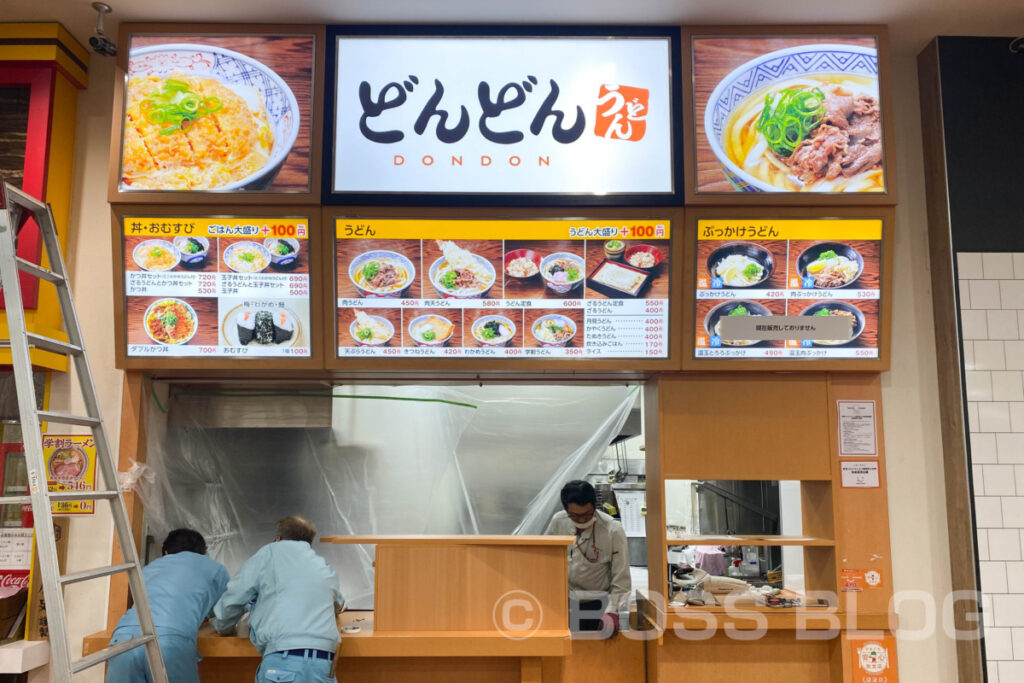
195 320
445 294
142 246
380 319
559 320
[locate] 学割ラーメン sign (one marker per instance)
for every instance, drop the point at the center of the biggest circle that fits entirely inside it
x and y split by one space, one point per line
466 115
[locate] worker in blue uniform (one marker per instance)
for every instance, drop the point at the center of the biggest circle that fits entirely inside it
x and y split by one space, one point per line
183 585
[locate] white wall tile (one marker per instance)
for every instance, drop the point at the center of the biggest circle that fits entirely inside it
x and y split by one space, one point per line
968 351
1004 544
1010 672
1017 416
997 266
993 578
985 295
998 644
994 416
988 512
1011 292
1018 266
1015 579
974 324
1020 318
1002 324
1013 510
972 417
1018 643
1010 448
964 287
978 480
1014 355
1009 611
993 672
968 266
984 449
990 355
979 386
999 480
1007 385
1020 479
983 545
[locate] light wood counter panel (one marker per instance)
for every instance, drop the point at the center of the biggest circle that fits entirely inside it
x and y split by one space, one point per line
776 657
435 540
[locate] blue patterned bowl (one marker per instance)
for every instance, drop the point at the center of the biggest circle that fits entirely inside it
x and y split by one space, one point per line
242 74
766 70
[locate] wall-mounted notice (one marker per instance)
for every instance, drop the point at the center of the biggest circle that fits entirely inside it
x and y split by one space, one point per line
70 466
585 113
857 428
217 287
859 475
502 288
788 274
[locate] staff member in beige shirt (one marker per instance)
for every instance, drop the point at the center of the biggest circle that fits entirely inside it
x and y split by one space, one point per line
599 581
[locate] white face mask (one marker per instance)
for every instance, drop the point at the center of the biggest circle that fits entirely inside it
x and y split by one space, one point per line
585 525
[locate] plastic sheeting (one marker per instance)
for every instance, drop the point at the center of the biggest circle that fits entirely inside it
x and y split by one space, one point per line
420 466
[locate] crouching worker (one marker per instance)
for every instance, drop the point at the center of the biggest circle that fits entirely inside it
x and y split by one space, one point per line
292 597
183 585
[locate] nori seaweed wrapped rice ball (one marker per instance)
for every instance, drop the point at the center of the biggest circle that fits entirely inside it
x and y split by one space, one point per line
264 328
246 322
284 327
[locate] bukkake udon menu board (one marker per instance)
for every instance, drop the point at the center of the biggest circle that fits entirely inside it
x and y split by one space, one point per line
217 287
781 281
787 114
502 288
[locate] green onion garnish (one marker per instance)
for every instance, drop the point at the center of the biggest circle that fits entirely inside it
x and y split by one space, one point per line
176 107
789 117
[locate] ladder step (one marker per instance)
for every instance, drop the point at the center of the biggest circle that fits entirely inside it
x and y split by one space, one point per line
96 573
61 496
67 419
38 271
109 653
46 344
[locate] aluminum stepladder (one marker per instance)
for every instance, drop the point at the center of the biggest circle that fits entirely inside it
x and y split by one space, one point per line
16 208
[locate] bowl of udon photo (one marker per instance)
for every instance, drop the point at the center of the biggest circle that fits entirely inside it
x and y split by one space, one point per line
802 119
460 274
170 321
370 330
841 309
493 330
283 250
247 257
201 117
381 274
741 264
562 271
554 330
431 330
156 255
830 265
193 249
713 320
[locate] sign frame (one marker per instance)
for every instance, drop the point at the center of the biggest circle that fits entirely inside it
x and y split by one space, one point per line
250 365
459 368
669 199
193 197
691 362
822 199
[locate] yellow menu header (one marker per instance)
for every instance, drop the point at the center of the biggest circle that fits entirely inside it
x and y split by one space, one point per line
561 229
757 229
252 227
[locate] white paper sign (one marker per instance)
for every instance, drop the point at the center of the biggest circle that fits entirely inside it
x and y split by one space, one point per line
857 428
507 115
859 475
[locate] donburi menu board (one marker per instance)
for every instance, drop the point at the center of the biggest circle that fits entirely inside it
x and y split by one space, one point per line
502 288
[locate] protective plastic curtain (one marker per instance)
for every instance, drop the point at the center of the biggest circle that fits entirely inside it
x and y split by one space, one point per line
424 460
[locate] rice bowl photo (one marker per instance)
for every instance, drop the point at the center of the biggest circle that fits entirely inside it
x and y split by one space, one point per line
170 321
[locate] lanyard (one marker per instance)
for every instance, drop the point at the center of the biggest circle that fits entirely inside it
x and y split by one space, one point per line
593 546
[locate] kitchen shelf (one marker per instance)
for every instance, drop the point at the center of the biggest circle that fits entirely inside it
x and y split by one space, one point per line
757 540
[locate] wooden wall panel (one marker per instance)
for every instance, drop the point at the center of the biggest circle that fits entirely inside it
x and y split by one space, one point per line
618 660
744 426
778 657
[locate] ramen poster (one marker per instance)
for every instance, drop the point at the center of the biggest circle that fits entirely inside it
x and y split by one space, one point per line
227 113
70 466
795 114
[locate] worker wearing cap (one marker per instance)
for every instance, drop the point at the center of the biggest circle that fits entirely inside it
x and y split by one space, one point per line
599 580
182 587
292 597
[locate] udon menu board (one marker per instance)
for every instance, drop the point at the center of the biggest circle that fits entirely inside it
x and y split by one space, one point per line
781 278
502 288
217 287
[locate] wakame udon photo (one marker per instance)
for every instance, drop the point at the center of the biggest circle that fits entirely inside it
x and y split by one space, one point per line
797 114
226 113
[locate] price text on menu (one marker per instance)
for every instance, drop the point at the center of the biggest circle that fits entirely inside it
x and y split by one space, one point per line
502 288
217 287
766 268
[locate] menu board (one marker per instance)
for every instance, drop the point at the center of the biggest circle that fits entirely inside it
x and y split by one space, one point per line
502 288
788 278
220 113
217 287
787 114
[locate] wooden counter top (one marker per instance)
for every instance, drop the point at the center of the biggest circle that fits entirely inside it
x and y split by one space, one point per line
452 540
368 643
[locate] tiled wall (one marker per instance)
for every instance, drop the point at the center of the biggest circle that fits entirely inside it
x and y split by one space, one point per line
992 320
